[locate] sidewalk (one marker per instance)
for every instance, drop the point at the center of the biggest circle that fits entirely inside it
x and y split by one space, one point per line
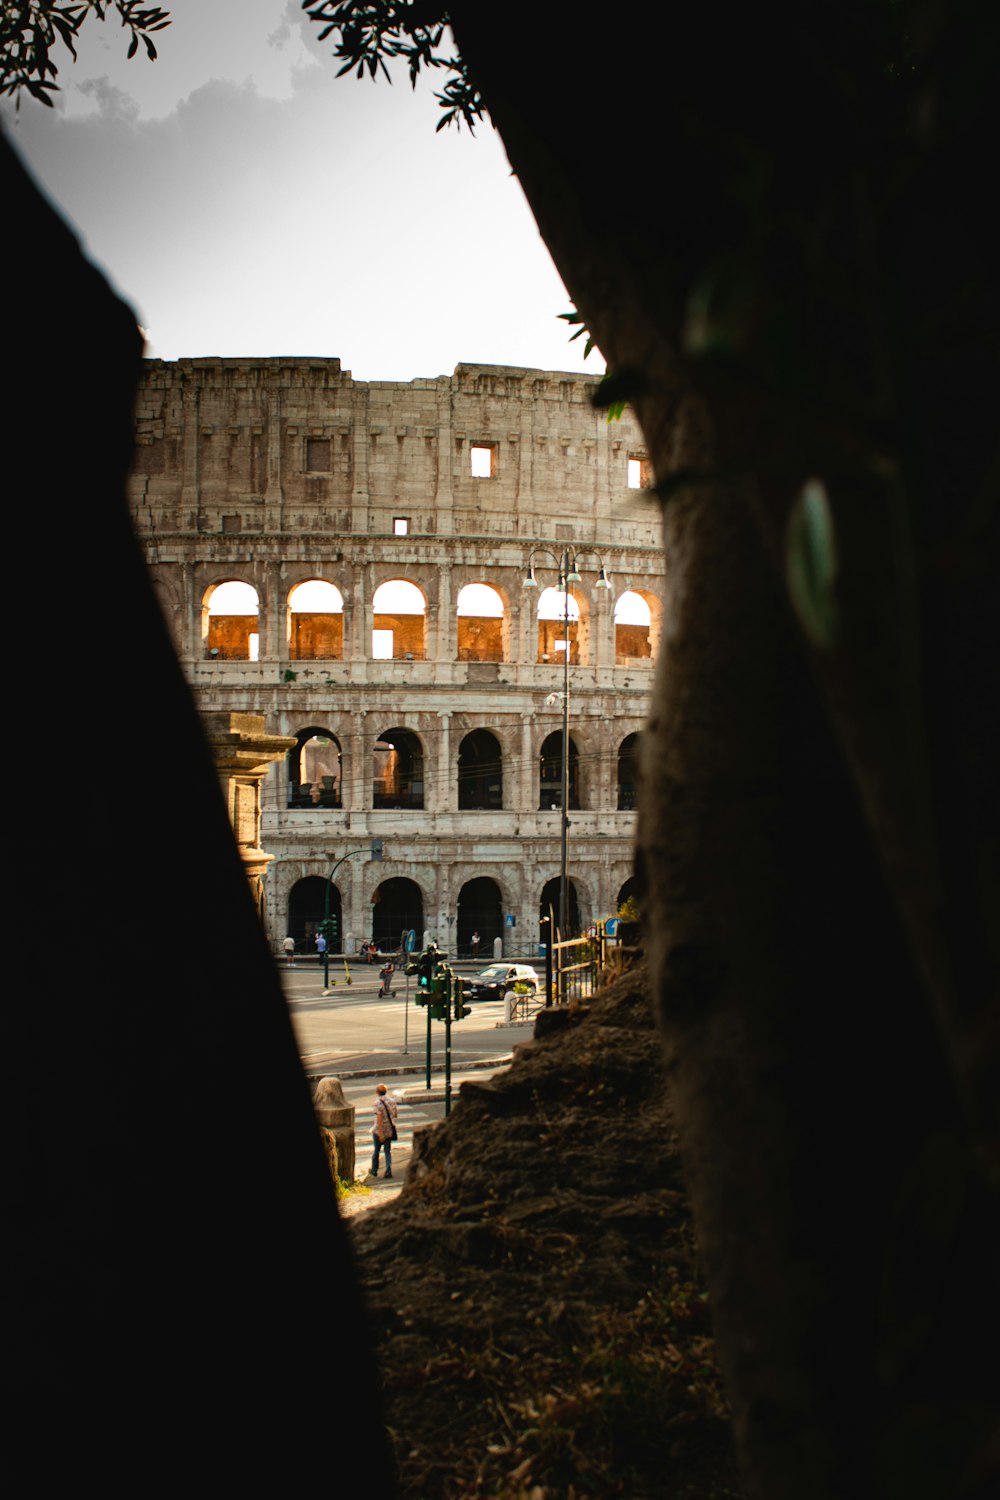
413 1092
406 1066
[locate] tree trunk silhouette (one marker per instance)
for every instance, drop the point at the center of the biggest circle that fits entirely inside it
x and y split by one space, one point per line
180 1288
791 270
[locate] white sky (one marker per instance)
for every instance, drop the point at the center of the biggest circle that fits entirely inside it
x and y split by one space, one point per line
247 202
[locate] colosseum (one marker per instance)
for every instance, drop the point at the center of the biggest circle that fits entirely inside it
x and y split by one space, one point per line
378 570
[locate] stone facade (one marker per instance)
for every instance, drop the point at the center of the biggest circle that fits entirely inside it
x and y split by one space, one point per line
426 723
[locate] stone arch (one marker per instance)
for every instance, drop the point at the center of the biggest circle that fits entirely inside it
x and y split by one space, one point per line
628 772
549 900
399 621
230 621
315 621
315 769
307 908
638 620
398 770
550 772
480 909
483 623
480 772
397 905
550 613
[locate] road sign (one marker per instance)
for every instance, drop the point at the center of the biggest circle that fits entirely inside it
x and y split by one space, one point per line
510 920
410 940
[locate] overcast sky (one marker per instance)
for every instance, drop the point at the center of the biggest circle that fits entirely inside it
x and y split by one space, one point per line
247 202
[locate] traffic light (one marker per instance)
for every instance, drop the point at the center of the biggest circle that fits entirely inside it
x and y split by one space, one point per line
423 968
461 994
328 927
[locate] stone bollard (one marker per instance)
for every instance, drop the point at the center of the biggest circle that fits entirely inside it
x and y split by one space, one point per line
335 1114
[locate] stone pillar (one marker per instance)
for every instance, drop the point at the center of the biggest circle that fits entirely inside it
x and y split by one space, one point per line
190 488
445 645
602 629
271 614
526 800
527 625
273 495
242 753
335 1115
443 799
360 791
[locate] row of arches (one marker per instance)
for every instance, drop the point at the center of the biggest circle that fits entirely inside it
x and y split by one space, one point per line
315 623
398 907
315 774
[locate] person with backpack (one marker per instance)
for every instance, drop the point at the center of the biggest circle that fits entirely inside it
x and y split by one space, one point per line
383 1128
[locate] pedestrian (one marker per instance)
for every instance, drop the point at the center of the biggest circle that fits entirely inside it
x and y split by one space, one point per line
475 945
320 946
289 947
385 975
383 1128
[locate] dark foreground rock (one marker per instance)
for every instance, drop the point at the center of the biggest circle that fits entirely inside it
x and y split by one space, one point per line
540 1321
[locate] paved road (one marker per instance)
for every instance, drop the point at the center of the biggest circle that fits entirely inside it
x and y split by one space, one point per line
351 1030
353 1035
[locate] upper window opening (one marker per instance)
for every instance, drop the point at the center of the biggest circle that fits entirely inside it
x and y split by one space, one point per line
401 525
480 599
318 596
483 457
480 623
554 608
632 609
316 621
231 632
633 627
640 472
398 622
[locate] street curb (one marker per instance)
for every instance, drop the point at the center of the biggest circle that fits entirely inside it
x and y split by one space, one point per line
392 1070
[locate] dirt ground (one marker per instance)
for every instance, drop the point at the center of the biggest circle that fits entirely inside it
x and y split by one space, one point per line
534 1290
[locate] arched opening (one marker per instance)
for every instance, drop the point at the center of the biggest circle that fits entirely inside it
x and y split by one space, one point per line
629 892
306 910
399 622
628 771
315 622
548 907
552 629
397 908
231 622
480 623
398 770
480 774
633 627
314 770
550 772
480 910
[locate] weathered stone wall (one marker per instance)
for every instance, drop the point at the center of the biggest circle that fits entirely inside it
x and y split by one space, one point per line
279 471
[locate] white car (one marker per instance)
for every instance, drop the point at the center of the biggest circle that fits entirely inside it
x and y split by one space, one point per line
496 979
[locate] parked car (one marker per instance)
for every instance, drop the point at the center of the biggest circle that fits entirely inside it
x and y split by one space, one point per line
496 979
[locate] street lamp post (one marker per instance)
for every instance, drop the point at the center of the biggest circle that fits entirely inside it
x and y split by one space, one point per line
374 851
568 574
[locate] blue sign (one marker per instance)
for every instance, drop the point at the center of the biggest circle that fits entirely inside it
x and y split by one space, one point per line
410 941
510 920
611 926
